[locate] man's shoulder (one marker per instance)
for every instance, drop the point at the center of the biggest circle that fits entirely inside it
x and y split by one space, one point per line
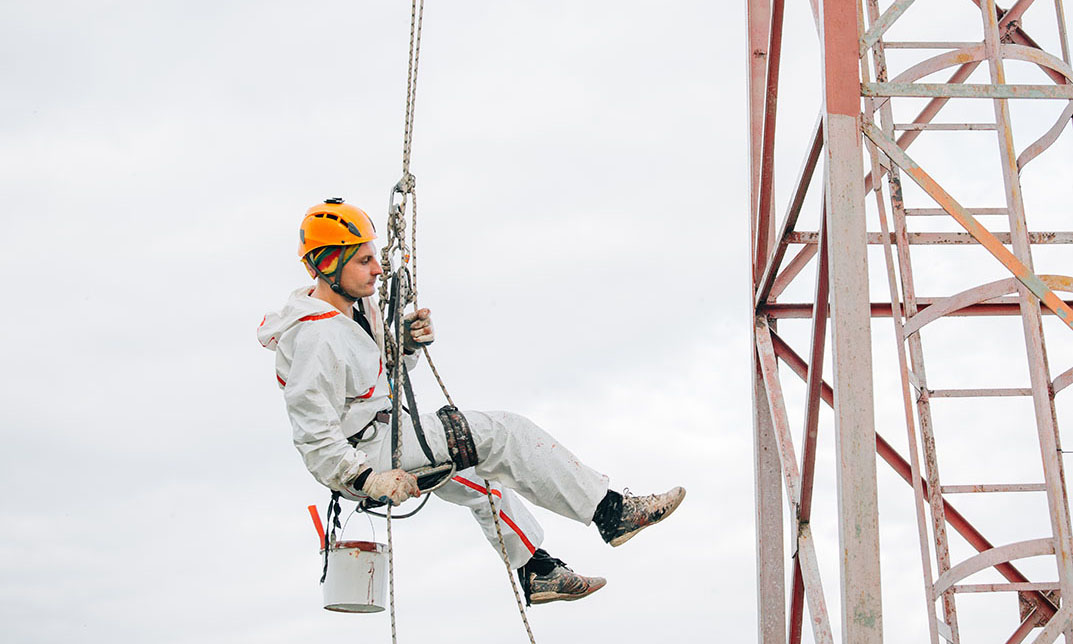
333 328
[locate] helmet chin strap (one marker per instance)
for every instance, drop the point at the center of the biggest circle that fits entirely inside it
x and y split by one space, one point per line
336 287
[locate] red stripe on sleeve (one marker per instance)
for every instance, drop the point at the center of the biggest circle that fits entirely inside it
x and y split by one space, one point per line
369 393
319 316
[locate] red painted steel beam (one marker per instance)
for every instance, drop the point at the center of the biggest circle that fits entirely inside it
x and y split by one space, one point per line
797 604
765 199
956 520
811 425
1019 635
793 211
758 16
815 378
792 270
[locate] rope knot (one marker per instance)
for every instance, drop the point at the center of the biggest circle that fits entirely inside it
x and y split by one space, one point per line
406 184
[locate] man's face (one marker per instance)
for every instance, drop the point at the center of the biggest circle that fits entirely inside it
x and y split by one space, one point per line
360 273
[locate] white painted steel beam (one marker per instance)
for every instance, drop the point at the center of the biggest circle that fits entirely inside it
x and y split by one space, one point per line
862 614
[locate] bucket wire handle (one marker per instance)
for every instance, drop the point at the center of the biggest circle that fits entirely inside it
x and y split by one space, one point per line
350 516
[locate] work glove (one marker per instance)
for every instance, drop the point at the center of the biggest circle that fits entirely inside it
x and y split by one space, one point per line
418 330
392 486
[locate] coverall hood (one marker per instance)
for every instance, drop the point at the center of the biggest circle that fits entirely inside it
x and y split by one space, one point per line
299 307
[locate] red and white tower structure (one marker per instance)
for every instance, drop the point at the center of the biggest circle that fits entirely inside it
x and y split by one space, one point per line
932 282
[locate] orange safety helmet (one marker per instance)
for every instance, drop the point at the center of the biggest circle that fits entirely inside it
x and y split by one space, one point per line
334 223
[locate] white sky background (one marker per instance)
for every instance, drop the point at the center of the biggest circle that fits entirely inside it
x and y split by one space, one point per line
582 172
576 198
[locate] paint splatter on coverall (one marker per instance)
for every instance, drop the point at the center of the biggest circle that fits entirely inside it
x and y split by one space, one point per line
332 374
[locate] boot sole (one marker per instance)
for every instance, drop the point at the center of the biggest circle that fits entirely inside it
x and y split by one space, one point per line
623 538
544 598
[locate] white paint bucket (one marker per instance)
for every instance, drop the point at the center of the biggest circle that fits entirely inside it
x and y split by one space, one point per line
357 577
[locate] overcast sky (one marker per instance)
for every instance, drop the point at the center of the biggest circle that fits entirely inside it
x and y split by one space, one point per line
582 171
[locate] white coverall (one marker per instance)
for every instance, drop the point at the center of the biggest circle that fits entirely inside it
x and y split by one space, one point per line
334 382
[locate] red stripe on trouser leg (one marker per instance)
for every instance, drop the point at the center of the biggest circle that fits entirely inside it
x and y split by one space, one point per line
518 531
503 515
474 486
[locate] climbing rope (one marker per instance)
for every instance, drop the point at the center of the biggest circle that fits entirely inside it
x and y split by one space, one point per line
391 576
404 288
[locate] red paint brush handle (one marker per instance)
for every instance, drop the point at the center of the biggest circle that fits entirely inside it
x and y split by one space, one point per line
316 523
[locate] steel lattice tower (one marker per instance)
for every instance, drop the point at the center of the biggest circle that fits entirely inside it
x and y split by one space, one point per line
886 211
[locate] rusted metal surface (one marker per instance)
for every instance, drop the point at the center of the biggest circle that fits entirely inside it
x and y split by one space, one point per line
1028 611
946 127
792 310
944 239
1001 588
927 44
995 487
927 90
979 393
1055 626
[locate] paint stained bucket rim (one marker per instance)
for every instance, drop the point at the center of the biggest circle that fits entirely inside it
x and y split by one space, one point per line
365 546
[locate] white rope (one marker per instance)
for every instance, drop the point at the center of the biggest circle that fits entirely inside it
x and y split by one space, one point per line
391 576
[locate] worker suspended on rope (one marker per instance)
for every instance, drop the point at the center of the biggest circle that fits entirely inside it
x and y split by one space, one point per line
330 363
